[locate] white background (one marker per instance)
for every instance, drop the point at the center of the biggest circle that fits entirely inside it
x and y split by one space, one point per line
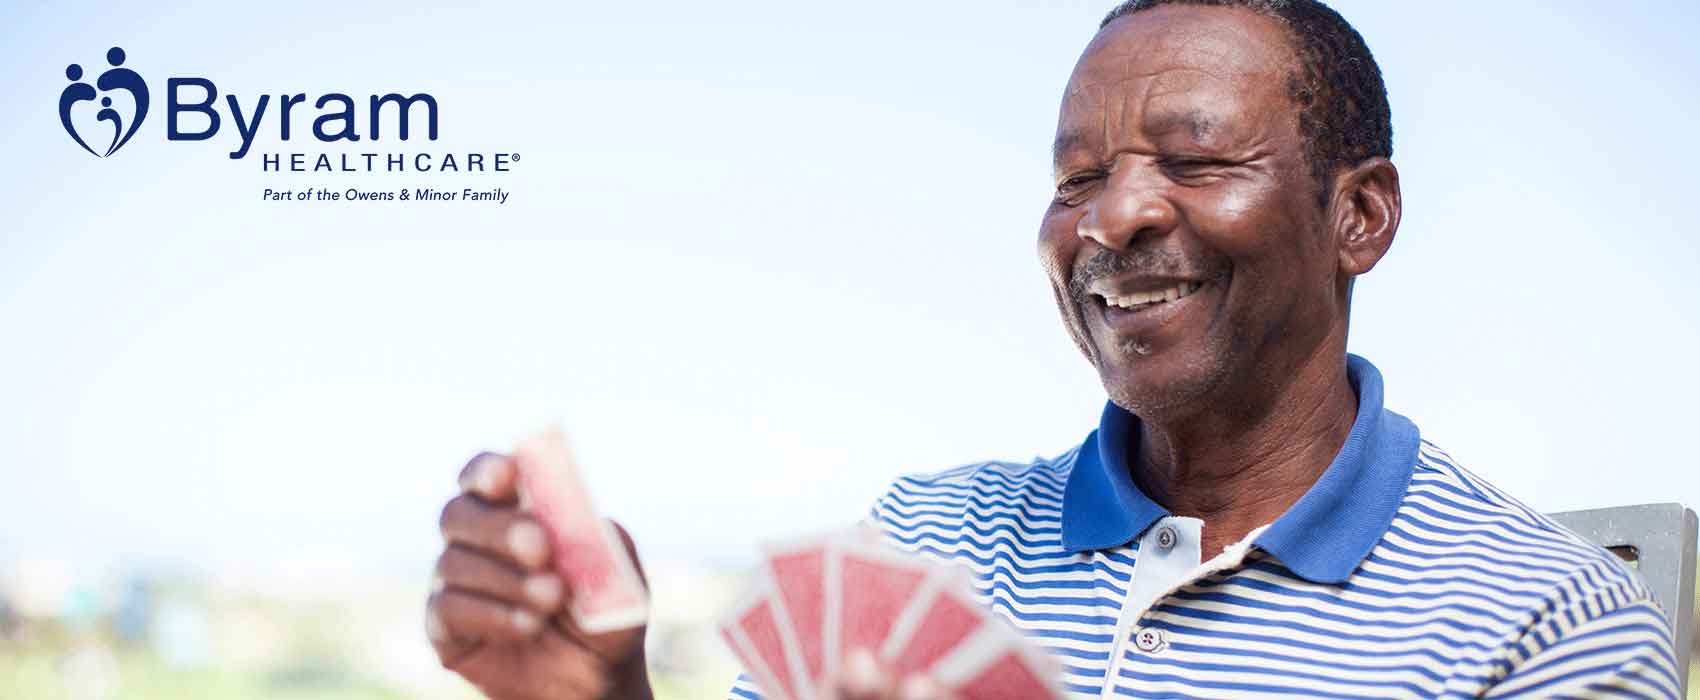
760 258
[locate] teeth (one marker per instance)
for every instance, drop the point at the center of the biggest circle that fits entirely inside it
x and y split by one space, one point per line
1161 295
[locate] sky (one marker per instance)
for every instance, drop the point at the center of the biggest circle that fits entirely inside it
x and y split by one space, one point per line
758 258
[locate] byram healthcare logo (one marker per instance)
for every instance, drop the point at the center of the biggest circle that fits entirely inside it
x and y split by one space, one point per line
117 77
352 135
192 114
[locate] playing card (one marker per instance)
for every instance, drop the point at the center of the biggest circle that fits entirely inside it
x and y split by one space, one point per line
757 635
943 617
753 665
996 663
1013 676
798 572
818 599
606 591
868 588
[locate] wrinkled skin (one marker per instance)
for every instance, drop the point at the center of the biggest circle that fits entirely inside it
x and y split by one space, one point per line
1179 161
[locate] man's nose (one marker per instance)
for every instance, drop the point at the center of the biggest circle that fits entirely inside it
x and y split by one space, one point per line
1128 207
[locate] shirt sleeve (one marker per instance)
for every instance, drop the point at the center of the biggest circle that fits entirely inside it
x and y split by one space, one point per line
744 689
1610 645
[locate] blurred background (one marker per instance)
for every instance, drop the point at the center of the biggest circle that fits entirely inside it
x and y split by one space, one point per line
759 258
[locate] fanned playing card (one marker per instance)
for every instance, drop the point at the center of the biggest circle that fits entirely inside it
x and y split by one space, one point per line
798 572
816 600
761 640
996 663
943 619
867 589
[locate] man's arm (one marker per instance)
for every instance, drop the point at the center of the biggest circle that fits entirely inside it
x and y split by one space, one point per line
1612 644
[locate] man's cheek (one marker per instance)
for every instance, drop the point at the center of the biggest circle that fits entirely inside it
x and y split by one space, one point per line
1056 250
1236 203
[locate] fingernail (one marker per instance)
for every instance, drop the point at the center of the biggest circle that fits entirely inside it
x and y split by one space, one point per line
469 477
525 622
543 590
862 672
526 542
434 629
918 688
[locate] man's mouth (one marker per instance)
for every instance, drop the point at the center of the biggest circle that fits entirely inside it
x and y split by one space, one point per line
1139 301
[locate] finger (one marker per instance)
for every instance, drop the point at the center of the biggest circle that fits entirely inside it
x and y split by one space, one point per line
493 477
467 617
468 569
863 679
501 531
450 651
919 687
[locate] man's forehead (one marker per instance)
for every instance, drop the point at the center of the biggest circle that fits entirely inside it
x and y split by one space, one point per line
1224 41
1189 70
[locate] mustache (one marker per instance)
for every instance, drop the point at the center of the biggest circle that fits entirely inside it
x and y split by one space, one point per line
1106 263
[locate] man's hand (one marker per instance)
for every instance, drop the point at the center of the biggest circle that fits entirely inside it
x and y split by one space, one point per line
497 612
863 678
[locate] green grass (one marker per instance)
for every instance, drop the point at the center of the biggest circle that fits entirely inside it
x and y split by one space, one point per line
36 676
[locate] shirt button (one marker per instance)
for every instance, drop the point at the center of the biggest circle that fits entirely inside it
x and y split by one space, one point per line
1150 640
1166 537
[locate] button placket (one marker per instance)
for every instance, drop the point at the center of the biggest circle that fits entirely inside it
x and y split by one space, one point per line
1168 557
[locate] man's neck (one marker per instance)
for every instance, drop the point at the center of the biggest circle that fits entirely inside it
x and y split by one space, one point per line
1240 469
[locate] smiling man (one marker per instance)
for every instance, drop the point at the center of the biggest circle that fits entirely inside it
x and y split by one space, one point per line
1248 519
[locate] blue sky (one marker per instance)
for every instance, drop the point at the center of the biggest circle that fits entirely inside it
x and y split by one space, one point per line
760 258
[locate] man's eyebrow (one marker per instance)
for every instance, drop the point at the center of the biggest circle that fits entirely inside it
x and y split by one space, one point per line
1070 140
1198 123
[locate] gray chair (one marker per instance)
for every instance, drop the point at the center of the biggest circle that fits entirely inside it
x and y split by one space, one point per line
1659 540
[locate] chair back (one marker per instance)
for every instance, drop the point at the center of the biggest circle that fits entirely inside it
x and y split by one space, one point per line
1659 540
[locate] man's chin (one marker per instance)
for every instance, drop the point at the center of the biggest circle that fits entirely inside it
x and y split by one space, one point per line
1158 385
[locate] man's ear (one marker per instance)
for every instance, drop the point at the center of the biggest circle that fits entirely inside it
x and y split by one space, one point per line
1366 214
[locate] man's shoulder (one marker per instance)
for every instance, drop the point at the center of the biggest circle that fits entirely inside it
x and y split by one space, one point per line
1031 491
1043 477
1459 521
1555 600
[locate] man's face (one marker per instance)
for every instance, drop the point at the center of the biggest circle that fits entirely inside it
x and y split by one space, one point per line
1185 243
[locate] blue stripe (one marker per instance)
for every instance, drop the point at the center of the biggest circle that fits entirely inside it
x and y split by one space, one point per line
1407 623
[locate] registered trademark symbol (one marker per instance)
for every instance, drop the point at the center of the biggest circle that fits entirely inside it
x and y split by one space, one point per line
516 158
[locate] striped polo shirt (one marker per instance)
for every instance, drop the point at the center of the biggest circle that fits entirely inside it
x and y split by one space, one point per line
1398 574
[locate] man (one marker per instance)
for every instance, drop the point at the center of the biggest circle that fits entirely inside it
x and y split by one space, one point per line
1247 520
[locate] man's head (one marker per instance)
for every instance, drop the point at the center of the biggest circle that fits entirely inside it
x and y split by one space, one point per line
1227 158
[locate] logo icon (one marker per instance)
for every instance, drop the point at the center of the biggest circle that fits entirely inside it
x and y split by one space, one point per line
115 78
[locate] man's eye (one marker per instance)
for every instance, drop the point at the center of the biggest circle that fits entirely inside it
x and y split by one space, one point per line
1070 192
1192 168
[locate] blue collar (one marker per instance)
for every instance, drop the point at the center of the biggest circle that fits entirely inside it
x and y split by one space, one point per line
1322 538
